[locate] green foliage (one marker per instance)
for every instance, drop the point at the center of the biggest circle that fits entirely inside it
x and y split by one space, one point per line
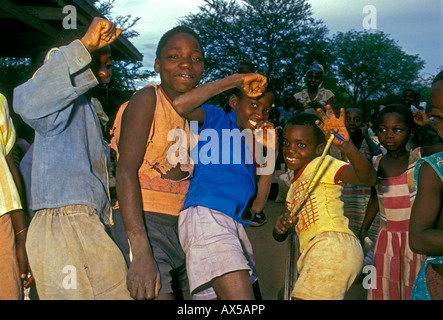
372 66
279 36
13 71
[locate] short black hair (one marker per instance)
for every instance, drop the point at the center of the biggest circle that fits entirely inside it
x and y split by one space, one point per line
308 119
360 112
409 90
171 33
247 67
405 112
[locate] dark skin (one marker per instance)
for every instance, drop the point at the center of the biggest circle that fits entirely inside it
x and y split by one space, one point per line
100 34
249 108
393 134
20 227
313 81
407 98
358 130
180 65
426 223
300 147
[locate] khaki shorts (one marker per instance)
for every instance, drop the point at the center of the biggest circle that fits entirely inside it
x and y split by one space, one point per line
328 267
214 244
10 286
73 258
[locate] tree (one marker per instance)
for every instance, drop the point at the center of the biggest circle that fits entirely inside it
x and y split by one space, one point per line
126 74
371 66
279 36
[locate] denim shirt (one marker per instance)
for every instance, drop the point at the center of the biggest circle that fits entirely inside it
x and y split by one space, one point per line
70 164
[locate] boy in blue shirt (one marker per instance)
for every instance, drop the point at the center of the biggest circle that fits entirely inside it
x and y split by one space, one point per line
219 255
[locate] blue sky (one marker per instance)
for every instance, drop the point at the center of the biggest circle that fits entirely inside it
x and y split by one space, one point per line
416 25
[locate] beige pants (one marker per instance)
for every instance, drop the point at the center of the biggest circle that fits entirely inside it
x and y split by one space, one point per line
10 287
328 266
72 257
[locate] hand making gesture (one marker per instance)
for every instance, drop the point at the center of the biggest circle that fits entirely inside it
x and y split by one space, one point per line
100 33
334 125
254 85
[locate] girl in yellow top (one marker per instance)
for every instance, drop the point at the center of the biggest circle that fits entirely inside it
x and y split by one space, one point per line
331 256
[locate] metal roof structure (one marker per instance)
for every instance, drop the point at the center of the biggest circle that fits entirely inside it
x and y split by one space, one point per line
28 24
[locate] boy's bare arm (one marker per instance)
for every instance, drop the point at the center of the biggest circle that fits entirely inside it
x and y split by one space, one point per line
426 225
361 172
100 33
143 278
19 223
188 104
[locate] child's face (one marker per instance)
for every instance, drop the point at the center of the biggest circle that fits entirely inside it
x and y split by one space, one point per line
300 146
393 132
249 111
101 66
314 79
180 64
437 106
353 121
408 98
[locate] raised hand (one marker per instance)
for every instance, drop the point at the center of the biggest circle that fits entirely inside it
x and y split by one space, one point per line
254 84
100 33
421 119
333 125
262 138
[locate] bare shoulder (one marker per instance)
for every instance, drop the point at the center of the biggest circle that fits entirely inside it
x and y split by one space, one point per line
143 99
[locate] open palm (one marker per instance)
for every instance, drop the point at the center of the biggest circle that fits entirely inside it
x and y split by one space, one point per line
332 124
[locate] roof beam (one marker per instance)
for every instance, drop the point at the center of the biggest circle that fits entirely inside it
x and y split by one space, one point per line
33 21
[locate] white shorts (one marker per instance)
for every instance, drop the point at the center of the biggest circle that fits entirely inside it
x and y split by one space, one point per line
215 244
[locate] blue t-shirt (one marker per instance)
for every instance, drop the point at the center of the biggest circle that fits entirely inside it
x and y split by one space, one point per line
224 171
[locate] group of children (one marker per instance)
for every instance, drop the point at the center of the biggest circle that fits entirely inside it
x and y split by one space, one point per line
184 189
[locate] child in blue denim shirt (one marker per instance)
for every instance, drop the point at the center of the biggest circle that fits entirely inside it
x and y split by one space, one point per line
70 254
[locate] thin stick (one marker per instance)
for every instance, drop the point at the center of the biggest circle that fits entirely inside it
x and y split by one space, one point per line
314 173
291 263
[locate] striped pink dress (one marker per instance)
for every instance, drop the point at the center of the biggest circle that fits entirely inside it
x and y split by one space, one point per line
396 266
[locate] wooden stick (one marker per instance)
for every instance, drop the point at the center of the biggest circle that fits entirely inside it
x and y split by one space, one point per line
314 173
291 263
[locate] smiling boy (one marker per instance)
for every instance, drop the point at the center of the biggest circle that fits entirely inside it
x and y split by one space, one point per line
331 256
219 255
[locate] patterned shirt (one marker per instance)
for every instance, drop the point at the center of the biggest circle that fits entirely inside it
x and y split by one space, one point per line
322 208
323 95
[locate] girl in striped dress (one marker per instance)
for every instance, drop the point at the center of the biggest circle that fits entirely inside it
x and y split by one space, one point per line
395 265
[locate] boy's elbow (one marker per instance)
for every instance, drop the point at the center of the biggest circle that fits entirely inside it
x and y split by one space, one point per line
415 244
371 178
372 181
179 107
